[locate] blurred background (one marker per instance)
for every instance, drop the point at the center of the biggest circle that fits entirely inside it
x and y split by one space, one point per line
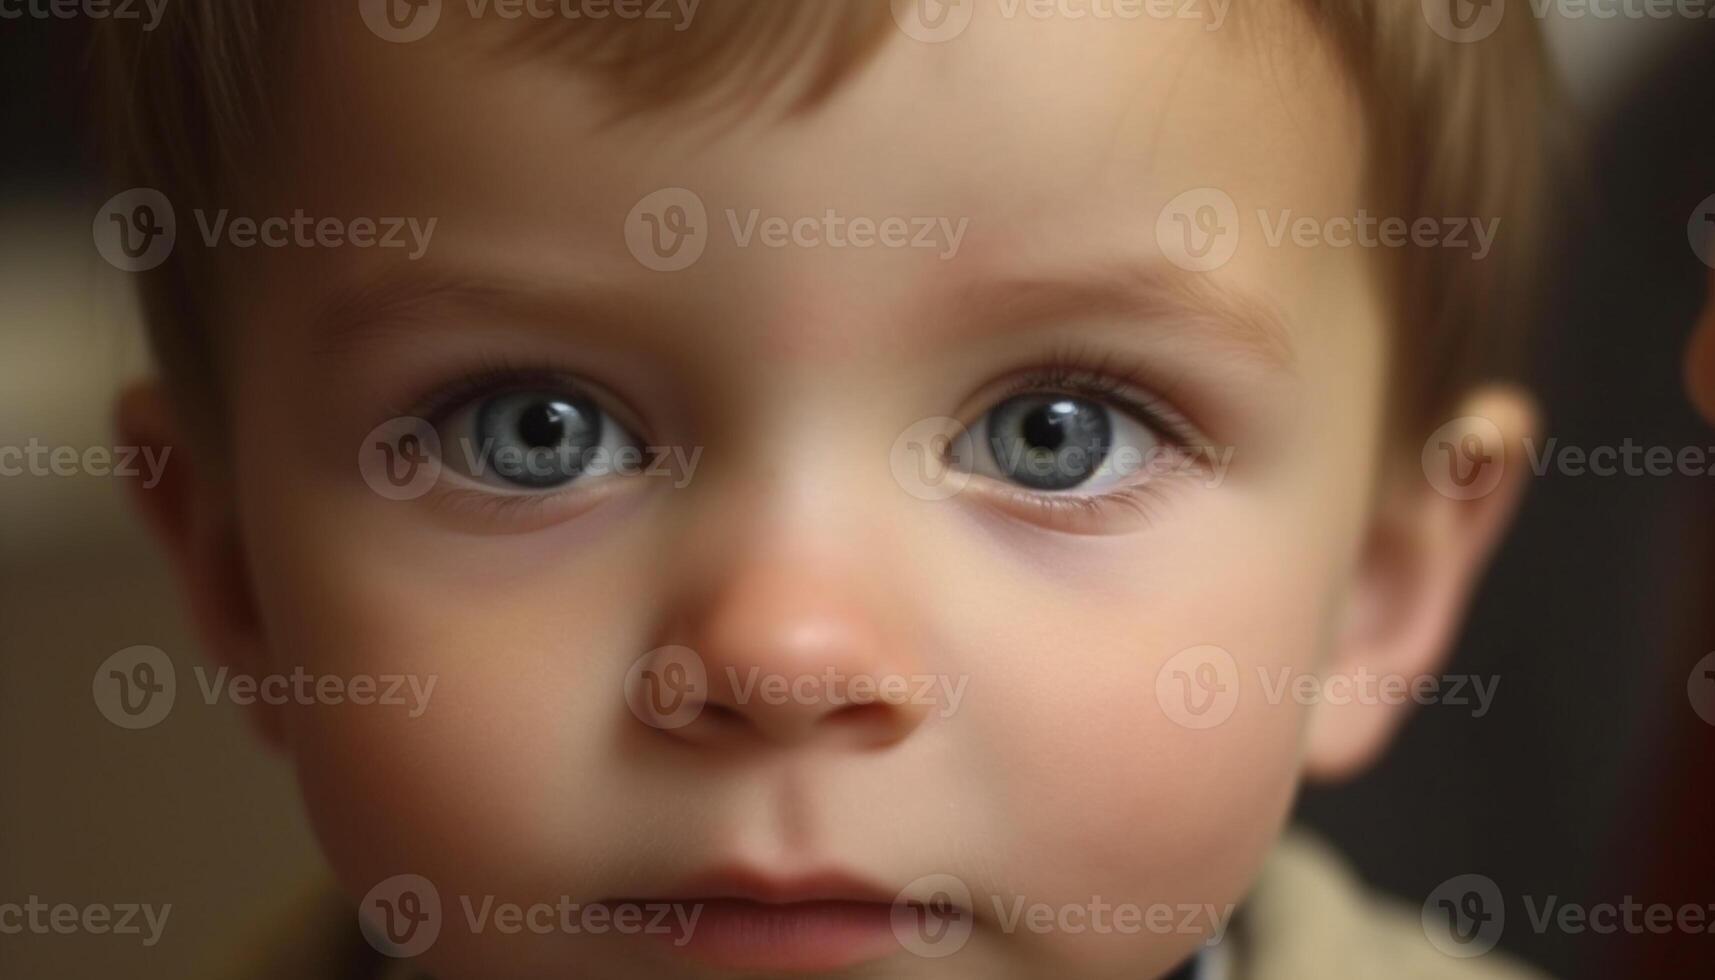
1592 780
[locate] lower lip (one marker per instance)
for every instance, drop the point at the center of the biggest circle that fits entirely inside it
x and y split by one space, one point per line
737 934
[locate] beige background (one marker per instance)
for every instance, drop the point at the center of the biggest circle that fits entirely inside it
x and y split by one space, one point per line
191 812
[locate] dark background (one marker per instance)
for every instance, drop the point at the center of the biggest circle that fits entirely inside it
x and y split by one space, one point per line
1591 779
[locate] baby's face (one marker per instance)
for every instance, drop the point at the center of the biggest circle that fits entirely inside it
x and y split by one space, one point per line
1153 460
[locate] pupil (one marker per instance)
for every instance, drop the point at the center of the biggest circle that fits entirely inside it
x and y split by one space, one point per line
1050 442
1045 428
538 439
542 425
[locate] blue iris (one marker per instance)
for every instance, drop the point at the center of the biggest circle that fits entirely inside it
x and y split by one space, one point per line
1049 442
538 439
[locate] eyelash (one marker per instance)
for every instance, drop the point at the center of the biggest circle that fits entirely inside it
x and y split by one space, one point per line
1070 370
492 378
1101 377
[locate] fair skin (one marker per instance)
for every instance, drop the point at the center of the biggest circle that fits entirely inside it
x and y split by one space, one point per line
1060 779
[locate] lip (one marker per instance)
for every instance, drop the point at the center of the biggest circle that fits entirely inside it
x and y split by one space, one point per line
746 919
751 885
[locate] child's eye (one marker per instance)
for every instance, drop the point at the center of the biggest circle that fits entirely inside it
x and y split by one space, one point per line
535 439
1053 443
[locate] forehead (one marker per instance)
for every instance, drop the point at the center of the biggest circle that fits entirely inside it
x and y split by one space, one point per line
1053 143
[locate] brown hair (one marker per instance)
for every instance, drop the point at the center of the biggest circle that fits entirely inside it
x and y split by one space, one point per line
1453 129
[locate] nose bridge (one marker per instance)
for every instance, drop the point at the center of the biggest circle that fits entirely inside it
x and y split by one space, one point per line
788 588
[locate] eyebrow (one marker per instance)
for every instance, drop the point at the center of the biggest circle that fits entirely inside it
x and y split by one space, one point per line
1235 319
1228 318
375 311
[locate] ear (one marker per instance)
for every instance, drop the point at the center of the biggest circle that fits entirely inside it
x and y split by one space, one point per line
190 512
1700 360
1429 540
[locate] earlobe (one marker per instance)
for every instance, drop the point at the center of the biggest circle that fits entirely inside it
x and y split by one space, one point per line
1700 361
191 514
1430 538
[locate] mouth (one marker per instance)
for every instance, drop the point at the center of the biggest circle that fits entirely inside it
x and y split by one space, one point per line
742 919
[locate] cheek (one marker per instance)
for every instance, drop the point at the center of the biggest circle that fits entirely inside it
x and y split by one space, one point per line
481 782
1114 788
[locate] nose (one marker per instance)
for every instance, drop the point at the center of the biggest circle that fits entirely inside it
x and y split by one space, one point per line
794 655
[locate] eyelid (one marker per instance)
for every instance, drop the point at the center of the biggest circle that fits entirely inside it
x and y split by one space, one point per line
1099 379
1116 511
498 512
439 404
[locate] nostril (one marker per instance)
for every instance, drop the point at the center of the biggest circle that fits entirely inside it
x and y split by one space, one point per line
870 716
723 717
